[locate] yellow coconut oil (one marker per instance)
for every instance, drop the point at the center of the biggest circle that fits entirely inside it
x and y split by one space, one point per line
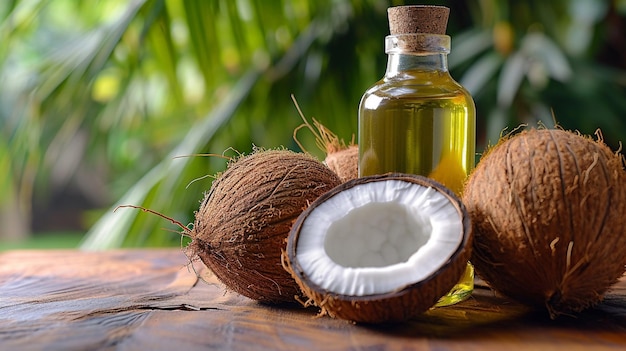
417 119
428 132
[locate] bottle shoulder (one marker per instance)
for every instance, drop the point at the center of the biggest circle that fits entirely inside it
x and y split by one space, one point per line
417 84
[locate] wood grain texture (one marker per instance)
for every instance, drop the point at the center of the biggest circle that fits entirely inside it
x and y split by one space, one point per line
152 300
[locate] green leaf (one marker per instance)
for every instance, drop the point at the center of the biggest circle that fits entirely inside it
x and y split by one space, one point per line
467 45
539 47
510 78
481 72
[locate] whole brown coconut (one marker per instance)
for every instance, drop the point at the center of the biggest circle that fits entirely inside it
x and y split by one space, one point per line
548 209
344 161
242 225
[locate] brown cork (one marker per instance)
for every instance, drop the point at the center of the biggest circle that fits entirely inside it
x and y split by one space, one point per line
418 19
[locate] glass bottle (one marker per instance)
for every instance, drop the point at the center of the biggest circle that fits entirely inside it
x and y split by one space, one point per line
417 119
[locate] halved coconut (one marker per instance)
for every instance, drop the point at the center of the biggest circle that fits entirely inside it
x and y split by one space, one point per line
380 248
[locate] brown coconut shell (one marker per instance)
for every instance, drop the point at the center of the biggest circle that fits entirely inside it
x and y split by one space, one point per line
344 161
394 306
548 208
242 225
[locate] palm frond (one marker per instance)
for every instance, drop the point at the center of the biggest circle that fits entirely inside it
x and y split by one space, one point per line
113 228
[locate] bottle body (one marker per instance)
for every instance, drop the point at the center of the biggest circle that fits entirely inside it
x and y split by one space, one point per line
424 127
418 120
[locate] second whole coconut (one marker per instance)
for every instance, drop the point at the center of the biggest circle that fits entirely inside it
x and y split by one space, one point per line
242 225
548 208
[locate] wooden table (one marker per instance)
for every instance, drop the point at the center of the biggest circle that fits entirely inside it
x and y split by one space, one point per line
152 300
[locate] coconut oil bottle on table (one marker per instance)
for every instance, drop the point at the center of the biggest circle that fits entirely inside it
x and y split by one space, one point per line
417 119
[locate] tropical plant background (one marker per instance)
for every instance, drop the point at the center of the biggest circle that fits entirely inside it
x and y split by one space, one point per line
110 102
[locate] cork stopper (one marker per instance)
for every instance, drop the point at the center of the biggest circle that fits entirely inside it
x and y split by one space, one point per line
418 19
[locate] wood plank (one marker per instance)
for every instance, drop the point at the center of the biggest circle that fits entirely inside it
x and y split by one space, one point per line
152 300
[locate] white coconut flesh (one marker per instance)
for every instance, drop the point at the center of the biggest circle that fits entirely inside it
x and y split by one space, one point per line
378 237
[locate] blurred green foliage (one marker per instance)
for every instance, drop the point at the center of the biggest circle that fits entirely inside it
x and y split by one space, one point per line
114 98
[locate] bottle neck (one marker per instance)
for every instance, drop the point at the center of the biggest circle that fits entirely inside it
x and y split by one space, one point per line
432 62
416 52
